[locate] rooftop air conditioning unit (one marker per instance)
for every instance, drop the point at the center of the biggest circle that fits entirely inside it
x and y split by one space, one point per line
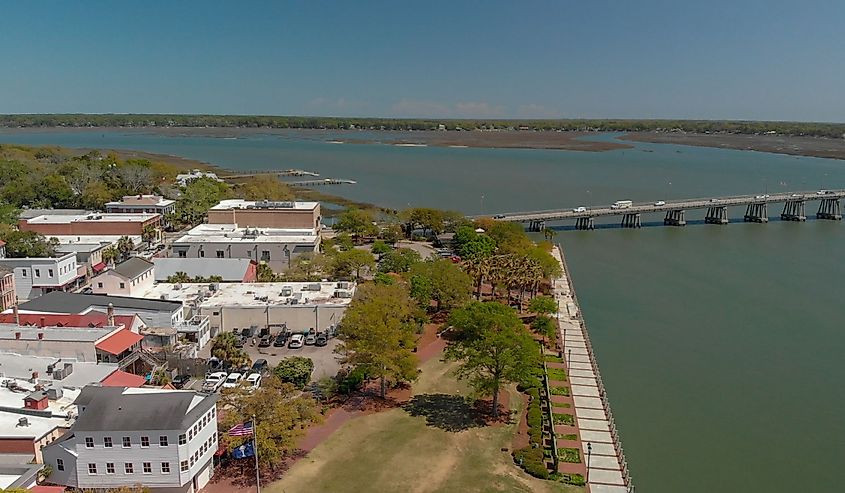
343 294
343 285
286 291
314 287
163 297
23 421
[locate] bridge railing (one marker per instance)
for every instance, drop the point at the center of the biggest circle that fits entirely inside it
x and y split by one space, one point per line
614 432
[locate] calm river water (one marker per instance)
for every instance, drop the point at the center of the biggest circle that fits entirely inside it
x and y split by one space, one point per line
721 346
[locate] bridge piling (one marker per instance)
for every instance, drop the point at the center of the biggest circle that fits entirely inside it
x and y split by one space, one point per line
631 220
756 213
675 218
716 215
829 209
584 223
793 210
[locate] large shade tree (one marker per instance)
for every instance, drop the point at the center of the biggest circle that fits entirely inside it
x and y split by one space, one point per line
377 333
492 348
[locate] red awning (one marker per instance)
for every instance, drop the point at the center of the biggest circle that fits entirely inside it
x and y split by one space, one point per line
123 379
119 341
99 267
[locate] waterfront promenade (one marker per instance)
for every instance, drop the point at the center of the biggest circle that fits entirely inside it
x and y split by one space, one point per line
606 467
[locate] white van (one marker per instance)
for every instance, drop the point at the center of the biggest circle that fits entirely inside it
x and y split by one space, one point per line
232 380
622 204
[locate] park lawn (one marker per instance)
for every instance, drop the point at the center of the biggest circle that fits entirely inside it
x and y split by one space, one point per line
395 451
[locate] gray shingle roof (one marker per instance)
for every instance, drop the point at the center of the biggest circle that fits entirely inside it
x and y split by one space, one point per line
230 269
132 268
109 409
60 302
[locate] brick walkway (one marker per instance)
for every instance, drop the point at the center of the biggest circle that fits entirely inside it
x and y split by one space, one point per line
592 424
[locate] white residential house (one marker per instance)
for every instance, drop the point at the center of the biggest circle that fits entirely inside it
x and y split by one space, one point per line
35 276
159 439
126 279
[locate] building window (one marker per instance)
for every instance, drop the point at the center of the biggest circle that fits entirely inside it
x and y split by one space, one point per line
191 434
92 468
183 439
109 467
162 441
37 273
50 272
145 441
148 468
107 442
202 253
183 466
265 255
122 285
212 412
89 442
165 468
99 285
182 253
60 465
219 253
128 468
127 442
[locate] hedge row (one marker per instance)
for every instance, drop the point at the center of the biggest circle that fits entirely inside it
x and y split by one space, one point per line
532 461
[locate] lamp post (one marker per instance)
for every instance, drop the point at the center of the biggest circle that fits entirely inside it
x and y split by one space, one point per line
255 453
589 453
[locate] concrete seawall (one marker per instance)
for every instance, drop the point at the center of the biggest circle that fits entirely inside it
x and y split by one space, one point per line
607 469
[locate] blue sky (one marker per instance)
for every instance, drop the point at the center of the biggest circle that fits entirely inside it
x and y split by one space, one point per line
772 60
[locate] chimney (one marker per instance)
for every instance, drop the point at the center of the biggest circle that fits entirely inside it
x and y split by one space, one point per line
17 335
40 336
110 313
43 321
17 314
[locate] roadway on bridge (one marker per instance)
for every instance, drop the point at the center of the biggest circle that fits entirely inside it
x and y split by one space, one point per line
669 205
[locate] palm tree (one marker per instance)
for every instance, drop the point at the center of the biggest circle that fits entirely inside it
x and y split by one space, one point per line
125 245
223 347
110 255
179 277
478 268
150 234
549 233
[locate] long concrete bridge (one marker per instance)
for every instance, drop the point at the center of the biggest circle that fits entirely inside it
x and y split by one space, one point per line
794 204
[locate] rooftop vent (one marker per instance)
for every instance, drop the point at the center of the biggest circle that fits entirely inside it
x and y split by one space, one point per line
23 421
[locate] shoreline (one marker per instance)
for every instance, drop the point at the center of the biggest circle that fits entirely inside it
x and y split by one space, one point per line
819 147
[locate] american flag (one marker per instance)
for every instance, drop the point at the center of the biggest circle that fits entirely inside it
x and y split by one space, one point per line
241 430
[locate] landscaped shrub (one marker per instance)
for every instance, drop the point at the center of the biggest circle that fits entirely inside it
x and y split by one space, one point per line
534 418
567 454
557 374
531 460
553 359
560 391
564 419
567 436
573 479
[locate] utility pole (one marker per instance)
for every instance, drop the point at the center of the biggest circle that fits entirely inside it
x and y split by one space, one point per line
255 453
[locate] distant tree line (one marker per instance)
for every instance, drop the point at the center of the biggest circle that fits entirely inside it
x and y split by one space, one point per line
813 129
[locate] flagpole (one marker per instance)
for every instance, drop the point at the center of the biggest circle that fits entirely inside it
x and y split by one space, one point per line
255 452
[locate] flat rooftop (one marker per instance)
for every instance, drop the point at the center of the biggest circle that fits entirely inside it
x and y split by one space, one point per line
228 233
252 294
141 201
94 217
54 334
265 205
84 373
14 399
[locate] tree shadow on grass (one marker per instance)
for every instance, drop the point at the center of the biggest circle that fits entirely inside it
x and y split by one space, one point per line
444 411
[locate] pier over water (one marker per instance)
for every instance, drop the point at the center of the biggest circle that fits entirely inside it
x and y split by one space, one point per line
607 469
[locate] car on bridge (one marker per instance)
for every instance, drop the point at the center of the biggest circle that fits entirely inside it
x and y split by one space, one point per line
659 203
580 209
499 216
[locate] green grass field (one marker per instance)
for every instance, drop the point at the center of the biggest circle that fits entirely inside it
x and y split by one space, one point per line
429 446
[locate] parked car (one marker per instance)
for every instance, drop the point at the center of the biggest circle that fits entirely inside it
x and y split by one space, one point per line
296 341
232 380
265 341
260 366
240 341
181 380
253 380
248 331
321 340
265 331
310 339
213 365
281 340
214 381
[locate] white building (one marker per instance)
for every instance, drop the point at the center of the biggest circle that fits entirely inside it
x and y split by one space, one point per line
273 246
142 203
163 440
185 178
35 276
296 305
128 278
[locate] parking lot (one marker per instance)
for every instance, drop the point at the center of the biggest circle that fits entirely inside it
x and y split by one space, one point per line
326 362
